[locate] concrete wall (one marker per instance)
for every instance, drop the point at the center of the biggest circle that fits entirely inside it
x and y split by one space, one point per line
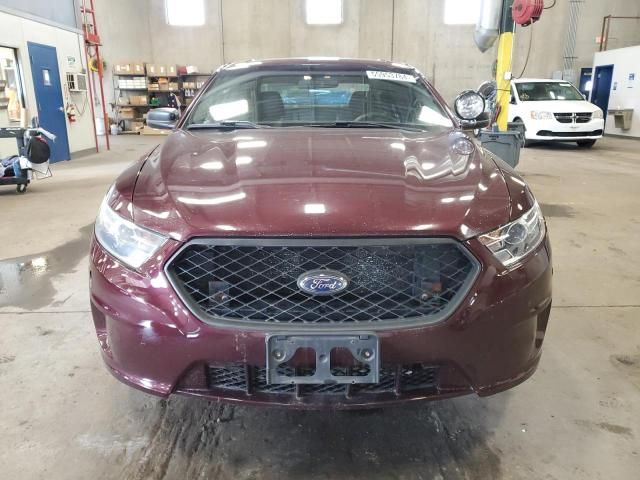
626 95
15 32
63 12
124 28
402 30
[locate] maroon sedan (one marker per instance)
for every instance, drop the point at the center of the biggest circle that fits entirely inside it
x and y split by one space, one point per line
321 232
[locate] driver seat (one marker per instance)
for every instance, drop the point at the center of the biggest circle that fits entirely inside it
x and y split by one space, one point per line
358 104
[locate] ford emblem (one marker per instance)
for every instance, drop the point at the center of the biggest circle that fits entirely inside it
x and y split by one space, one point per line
322 282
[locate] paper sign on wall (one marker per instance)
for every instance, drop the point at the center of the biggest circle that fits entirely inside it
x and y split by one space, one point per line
631 80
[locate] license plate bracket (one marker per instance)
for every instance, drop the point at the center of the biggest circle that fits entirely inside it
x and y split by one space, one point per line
365 349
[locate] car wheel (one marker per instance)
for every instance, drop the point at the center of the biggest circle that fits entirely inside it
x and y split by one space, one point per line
586 143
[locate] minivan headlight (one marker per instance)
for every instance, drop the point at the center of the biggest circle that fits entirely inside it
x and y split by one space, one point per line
597 114
123 239
541 115
514 241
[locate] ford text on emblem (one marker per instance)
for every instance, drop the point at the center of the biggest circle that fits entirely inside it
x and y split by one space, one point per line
322 282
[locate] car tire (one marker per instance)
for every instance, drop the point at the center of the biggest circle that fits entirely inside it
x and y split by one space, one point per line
586 143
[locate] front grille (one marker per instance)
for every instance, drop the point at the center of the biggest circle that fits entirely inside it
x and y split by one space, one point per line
581 117
251 379
247 281
547 133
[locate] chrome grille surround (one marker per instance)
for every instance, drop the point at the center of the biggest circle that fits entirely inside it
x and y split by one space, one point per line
250 283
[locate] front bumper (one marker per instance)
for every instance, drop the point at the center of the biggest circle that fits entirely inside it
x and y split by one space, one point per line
552 130
151 341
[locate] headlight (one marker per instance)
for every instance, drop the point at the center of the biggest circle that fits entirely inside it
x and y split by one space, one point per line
469 105
541 115
597 114
514 241
123 239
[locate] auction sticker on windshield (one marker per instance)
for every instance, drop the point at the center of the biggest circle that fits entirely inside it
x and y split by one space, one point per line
398 77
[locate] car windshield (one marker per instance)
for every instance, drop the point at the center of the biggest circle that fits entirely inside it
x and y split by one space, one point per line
544 91
272 98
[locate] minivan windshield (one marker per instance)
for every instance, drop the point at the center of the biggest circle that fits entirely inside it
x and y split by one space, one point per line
352 98
545 91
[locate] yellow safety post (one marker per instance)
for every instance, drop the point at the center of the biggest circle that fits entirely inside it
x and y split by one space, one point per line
503 64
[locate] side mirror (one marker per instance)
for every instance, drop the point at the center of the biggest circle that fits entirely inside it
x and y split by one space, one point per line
469 107
513 100
163 118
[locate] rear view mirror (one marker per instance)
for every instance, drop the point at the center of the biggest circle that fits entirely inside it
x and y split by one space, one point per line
163 118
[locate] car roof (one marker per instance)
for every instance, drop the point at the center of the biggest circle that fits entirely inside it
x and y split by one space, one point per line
534 80
327 62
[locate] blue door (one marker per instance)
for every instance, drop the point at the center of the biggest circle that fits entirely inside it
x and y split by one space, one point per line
585 79
602 87
46 83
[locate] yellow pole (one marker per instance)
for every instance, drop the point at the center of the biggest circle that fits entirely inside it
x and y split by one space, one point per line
503 77
503 63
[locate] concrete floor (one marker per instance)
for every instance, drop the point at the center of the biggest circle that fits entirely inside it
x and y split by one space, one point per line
63 416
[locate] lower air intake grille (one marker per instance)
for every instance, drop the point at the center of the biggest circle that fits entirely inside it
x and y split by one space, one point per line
390 281
251 379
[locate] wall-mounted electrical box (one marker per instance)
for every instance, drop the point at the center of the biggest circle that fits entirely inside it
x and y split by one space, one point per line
77 82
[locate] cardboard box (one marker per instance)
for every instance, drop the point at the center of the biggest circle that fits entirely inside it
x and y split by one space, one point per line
154 87
155 131
138 99
152 70
191 69
137 126
123 100
122 69
126 113
137 68
173 86
172 70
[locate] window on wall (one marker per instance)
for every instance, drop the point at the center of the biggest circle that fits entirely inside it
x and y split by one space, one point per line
461 12
185 13
324 12
11 92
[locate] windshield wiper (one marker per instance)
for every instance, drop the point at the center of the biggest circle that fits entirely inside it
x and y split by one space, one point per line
351 124
227 125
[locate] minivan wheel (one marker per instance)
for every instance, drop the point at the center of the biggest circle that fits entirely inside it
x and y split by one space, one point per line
586 143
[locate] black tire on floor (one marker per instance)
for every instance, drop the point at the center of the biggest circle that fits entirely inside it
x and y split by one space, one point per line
586 143
21 188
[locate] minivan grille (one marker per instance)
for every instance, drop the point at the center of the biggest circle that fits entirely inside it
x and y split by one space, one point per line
392 281
581 117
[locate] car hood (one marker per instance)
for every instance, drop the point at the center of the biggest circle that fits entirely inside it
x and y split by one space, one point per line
562 106
319 182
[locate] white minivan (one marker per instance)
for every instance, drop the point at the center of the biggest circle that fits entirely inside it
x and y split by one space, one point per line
554 110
